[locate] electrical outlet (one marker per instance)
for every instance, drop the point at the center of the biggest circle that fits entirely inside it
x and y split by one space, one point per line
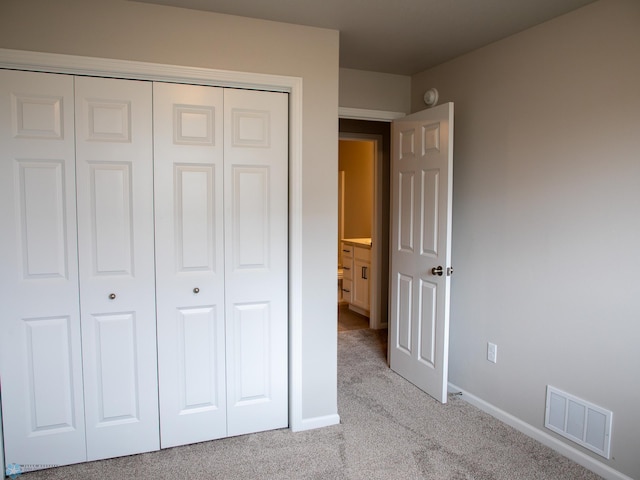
492 352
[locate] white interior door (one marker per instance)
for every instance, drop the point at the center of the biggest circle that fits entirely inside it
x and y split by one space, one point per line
40 353
256 253
422 171
114 162
190 262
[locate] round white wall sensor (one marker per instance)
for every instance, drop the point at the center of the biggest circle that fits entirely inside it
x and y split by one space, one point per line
431 97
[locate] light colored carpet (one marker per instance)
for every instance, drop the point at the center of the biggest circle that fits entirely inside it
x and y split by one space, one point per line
389 430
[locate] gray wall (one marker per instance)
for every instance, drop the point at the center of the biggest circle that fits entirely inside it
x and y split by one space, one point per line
143 32
375 91
546 217
356 158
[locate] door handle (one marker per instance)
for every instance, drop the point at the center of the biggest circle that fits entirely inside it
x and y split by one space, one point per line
437 271
364 273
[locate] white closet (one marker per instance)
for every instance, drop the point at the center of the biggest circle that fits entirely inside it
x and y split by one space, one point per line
87 280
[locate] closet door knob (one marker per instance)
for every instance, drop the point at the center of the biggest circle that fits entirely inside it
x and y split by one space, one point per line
112 296
196 290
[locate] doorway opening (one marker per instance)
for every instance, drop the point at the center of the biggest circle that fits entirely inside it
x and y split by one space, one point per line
363 222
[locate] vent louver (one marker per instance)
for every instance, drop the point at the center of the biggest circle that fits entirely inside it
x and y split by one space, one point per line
578 420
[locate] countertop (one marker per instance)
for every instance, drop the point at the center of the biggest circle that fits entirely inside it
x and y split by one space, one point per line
360 242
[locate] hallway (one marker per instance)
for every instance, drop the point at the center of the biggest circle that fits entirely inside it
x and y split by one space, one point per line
350 320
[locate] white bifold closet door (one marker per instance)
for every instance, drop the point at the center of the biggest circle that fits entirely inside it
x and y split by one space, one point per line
114 164
221 163
78 338
190 262
256 259
40 350
83 363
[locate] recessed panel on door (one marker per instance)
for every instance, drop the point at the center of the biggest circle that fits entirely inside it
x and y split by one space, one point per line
198 368
40 351
430 137
405 215
427 317
114 164
251 127
38 116
189 262
43 221
51 403
112 216
193 124
115 356
407 144
194 217
250 364
429 207
251 217
404 334
107 119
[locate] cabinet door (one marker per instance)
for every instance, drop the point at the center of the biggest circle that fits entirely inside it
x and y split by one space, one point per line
361 274
189 262
360 296
115 240
256 252
40 352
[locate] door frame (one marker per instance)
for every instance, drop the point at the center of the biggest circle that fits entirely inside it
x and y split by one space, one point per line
102 67
376 225
373 116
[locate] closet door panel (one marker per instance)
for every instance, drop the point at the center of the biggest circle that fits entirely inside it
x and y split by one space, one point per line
111 216
189 262
114 149
40 352
115 368
256 252
251 217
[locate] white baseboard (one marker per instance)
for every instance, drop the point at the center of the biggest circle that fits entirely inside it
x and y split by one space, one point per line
317 422
562 448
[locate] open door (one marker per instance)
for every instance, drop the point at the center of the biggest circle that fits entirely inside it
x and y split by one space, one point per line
421 192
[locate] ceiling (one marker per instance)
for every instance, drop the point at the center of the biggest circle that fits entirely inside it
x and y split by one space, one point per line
398 36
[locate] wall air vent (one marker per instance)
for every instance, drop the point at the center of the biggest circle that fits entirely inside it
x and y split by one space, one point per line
578 420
